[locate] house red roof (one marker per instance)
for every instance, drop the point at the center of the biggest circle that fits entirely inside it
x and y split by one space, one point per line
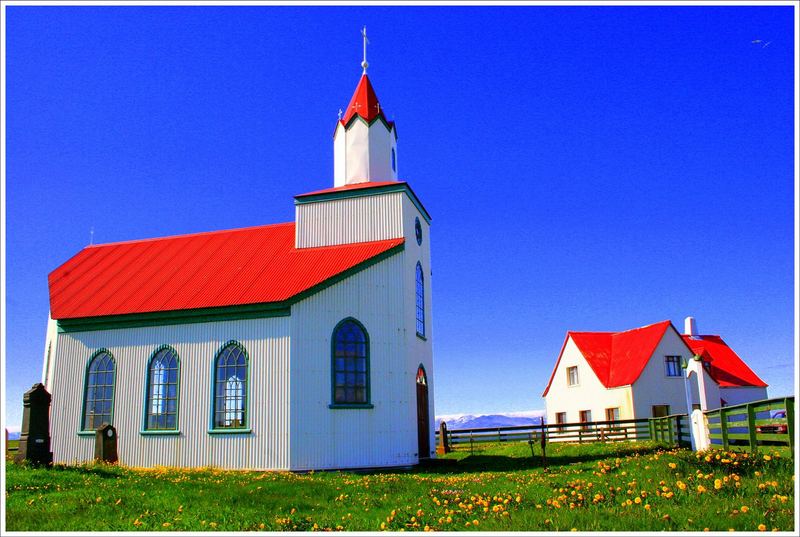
726 367
204 270
617 358
364 103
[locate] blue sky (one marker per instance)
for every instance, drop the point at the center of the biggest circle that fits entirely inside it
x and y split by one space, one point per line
587 168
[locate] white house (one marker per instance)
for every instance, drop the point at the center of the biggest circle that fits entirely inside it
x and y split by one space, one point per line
294 346
645 372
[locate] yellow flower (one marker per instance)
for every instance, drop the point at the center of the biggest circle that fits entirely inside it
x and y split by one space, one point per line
672 465
166 525
762 527
717 484
637 500
744 509
701 489
767 458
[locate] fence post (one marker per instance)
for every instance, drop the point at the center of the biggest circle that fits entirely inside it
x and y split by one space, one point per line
580 435
788 405
670 432
679 432
652 427
470 443
499 436
723 427
751 428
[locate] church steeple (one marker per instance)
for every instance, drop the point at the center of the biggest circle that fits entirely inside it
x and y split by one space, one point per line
365 142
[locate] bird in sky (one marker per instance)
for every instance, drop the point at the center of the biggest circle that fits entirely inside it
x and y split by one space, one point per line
760 42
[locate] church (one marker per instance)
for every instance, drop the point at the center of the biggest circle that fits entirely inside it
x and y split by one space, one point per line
292 346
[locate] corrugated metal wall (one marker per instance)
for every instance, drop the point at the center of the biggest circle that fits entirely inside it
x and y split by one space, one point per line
385 435
362 219
267 343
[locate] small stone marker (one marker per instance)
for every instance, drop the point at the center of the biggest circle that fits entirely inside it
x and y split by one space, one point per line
34 438
444 441
105 443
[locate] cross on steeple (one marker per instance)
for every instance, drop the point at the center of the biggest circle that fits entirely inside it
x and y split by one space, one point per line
364 63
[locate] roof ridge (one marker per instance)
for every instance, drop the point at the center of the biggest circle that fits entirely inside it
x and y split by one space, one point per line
195 234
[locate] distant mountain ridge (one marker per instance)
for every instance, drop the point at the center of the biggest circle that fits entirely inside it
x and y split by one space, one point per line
476 421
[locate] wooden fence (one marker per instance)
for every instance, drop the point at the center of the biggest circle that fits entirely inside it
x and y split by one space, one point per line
737 427
672 430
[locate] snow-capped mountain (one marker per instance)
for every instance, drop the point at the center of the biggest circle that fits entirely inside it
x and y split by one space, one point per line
505 419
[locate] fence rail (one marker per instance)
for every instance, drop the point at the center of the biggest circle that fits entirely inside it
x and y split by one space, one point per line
750 425
672 430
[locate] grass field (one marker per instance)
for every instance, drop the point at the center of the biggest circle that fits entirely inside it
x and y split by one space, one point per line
624 486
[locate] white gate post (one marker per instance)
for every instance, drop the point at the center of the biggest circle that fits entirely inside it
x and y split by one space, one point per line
700 435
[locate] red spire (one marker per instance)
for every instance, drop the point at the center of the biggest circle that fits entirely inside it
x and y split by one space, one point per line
364 103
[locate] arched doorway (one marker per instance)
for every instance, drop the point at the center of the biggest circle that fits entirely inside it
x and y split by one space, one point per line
423 426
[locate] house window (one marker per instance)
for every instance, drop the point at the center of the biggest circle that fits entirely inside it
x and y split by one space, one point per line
394 161
659 411
612 414
572 376
561 419
673 366
98 395
230 387
350 363
585 418
420 301
162 391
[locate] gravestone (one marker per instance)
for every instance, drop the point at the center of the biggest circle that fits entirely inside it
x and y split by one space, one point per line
105 443
444 441
34 438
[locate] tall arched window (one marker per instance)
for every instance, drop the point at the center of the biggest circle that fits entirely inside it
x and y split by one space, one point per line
98 395
230 387
350 356
420 301
161 406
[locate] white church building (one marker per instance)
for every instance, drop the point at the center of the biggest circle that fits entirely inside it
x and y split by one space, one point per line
292 346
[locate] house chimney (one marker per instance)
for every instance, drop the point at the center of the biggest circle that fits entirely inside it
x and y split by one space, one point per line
690 327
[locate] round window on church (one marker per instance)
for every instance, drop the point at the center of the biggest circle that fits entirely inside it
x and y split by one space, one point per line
418 231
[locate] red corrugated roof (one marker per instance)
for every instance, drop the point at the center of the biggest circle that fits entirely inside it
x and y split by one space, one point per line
726 367
203 270
356 186
617 358
364 103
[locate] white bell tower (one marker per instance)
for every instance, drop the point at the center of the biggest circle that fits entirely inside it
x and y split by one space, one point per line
365 142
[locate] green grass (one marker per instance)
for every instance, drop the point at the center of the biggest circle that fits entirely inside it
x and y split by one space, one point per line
499 488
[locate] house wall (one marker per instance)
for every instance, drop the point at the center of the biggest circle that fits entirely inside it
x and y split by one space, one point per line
267 446
589 394
654 387
384 435
383 299
740 395
341 221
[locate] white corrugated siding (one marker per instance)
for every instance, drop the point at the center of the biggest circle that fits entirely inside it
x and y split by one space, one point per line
267 344
340 438
361 219
383 299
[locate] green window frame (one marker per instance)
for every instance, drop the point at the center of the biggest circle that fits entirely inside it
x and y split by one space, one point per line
420 291
350 371
99 388
162 392
230 389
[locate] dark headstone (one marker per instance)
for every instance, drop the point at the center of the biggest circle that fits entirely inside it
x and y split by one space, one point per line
34 438
105 443
444 441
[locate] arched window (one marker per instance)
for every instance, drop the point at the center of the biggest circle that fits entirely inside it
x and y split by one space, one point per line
98 395
161 407
230 387
350 363
420 301
394 161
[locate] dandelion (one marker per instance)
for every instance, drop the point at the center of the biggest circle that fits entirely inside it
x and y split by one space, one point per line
672 465
717 484
701 489
762 527
744 509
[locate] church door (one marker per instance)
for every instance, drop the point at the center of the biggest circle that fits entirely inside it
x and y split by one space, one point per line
423 425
